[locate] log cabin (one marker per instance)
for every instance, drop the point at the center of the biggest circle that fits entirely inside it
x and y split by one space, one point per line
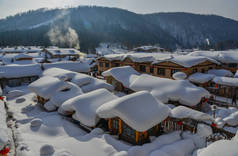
134 117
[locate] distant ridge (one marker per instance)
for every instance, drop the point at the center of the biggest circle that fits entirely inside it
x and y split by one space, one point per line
92 25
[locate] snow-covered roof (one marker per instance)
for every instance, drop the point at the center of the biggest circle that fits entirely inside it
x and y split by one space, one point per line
166 89
229 56
23 55
182 112
17 71
236 74
220 72
67 65
200 77
147 48
141 57
77 78
96 84
47 86
85 105
183 60
140 110
126 74
229 81
179 76
60 96
64 51
189 61
30 49
59 73
232 119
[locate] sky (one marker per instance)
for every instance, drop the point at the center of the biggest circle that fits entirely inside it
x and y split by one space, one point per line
226 8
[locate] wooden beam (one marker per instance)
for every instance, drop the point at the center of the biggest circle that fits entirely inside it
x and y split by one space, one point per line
120 126
137 136
109 124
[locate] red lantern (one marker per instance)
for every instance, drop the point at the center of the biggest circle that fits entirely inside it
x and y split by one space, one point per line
180 123
216 85
206 100
5 151
1 98
214 125
186 69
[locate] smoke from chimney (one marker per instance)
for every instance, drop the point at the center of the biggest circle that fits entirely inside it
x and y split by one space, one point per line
61 34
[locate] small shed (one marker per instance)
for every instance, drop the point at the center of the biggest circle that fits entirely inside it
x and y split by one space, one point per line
184 118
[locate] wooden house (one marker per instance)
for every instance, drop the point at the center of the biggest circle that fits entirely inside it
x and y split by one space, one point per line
170 91
116 126
70 53
201 79
225 87
187 64
121 78
185 119
23 57
83 108
228 59
128 117
46 87
17 75
157 64
104 64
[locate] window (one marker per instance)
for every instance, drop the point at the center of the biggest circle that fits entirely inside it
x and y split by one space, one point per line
107 65
115 124
173 71
203 70
195 70
142 68
152 70
128 131
100 64
160 71
117 64
210 68
232 65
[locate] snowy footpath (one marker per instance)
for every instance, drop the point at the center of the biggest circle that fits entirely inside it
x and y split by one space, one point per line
41 133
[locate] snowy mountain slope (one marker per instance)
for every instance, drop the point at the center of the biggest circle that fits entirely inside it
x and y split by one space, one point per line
95 25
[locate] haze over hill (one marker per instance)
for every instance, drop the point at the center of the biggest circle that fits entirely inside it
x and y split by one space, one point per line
90 26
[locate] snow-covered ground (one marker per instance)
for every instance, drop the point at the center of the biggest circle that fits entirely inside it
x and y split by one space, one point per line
39 132
37 128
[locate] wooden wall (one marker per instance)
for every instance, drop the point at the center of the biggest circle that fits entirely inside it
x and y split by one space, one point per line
168 67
